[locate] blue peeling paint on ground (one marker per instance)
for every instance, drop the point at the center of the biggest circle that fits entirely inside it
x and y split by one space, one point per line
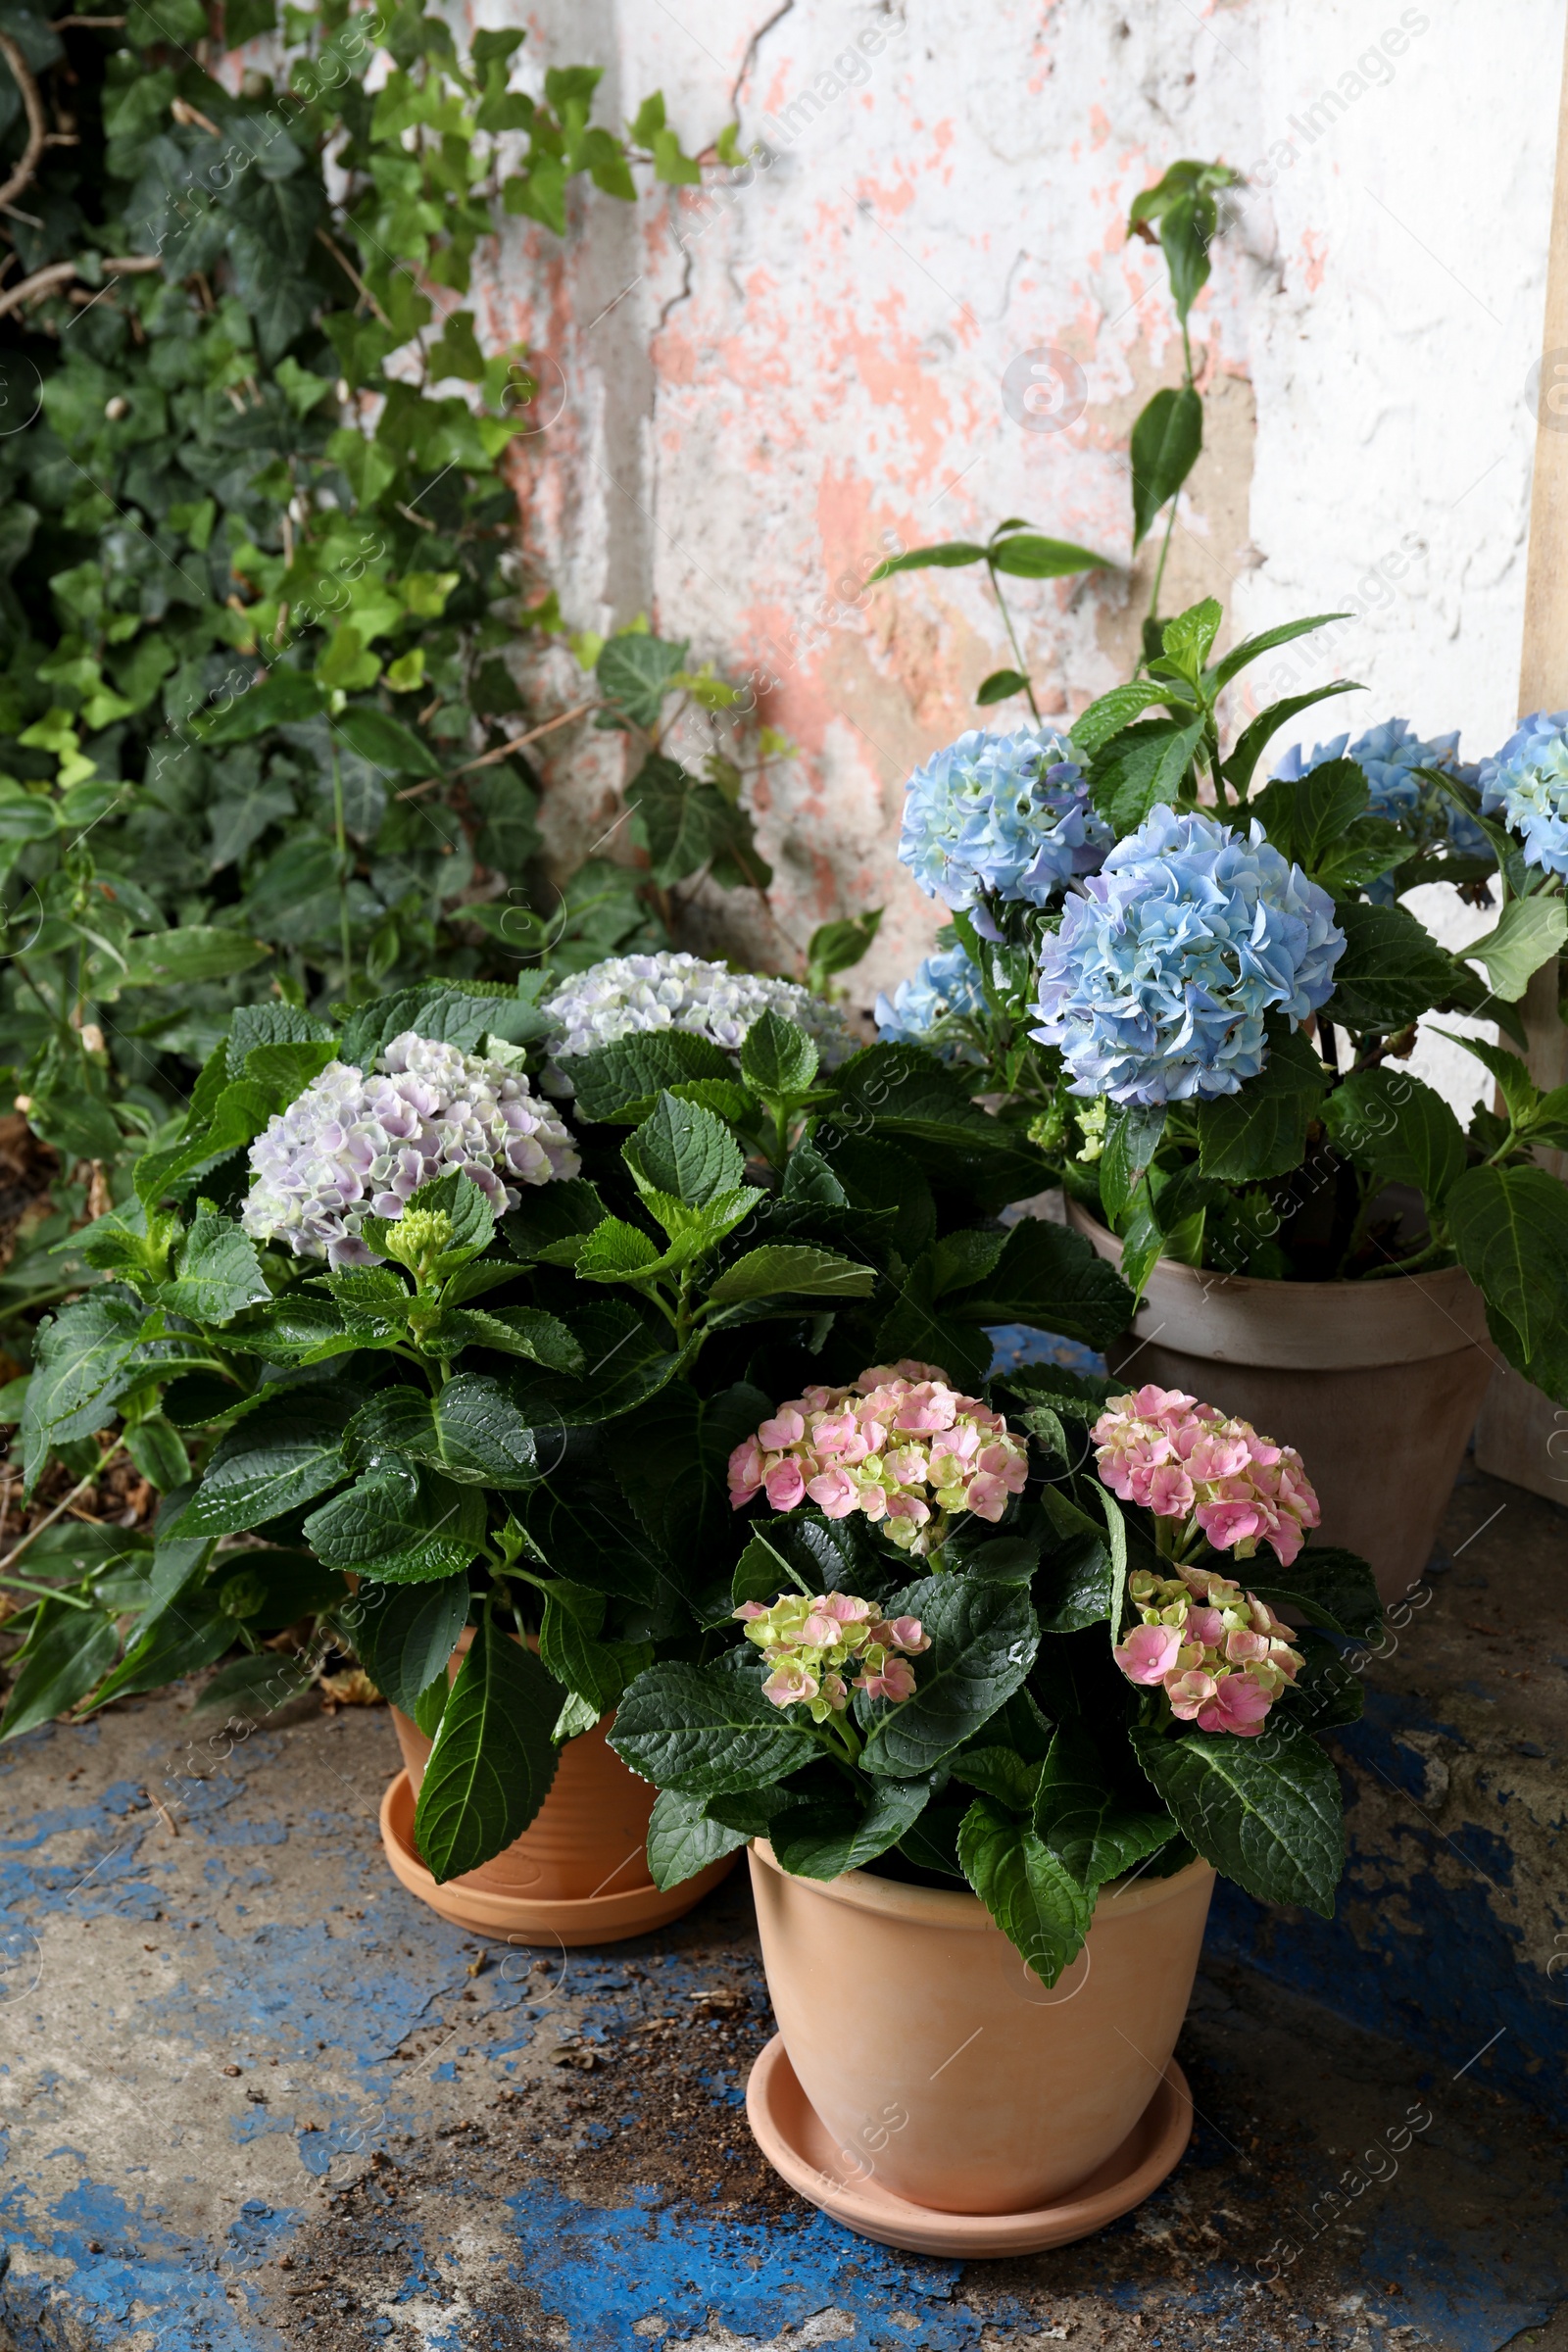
1416 1952
1015 1344
601 2271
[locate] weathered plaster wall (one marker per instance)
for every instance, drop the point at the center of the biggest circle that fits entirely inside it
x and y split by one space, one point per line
766 387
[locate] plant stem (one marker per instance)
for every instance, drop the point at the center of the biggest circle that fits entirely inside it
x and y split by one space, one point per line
79 1488
1165 550
345 937
1012 636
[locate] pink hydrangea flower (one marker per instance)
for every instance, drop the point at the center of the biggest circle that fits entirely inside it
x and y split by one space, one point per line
1164 1451
1239 1705
900 1445
809 1641
1148 1653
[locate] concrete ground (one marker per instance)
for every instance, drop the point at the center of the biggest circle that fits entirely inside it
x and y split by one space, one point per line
254 2095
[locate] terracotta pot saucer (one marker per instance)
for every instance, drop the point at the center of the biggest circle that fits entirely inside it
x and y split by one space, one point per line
800 2148
608 1918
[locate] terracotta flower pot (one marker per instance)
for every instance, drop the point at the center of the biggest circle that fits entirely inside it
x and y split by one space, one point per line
941 2067
579 1871
1377 1384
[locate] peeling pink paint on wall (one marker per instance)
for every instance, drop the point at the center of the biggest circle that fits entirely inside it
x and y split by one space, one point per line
818 353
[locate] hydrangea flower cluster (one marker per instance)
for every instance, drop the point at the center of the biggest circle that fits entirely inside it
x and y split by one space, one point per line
809 1642
945 989
355 1145
1388 754
1156 984
627 995
1220 1655
1180 1460
1527 784
1007 815
900 1445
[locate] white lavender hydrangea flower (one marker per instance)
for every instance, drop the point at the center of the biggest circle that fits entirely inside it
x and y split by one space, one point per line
628 994
355 1144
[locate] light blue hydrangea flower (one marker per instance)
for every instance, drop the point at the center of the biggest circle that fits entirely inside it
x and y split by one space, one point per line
1527 784
946 988
1388 754
1007 815
1156 985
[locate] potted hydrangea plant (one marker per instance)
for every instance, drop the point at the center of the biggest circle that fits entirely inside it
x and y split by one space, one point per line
1007 1680
456 1313
1201 990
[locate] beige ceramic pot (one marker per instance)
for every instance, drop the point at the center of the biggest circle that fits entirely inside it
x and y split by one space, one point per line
579 1871
941 2066
1377 1384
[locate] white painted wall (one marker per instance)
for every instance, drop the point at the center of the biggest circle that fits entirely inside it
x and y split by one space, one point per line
804 369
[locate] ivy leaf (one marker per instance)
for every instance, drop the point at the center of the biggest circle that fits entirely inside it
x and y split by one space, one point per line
385 741
635 672
1265 1812
492 1760
1034 1900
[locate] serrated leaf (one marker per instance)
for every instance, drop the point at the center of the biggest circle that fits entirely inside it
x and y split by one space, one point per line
1390 972
685 1150
406 1633
1528 933
706 1732
824 1838
1248 749
682 1839
1265 641
1327 1586
1133 1132
795 1270
632 1068
492 1760
67 1652
1094 728
217 1272
1265 1811
472 1432
778 1059
1511 1231
1259 1132
1036 1902
79 1358
1145 763
282 1455
983 1641
1090 1829
1399 1128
